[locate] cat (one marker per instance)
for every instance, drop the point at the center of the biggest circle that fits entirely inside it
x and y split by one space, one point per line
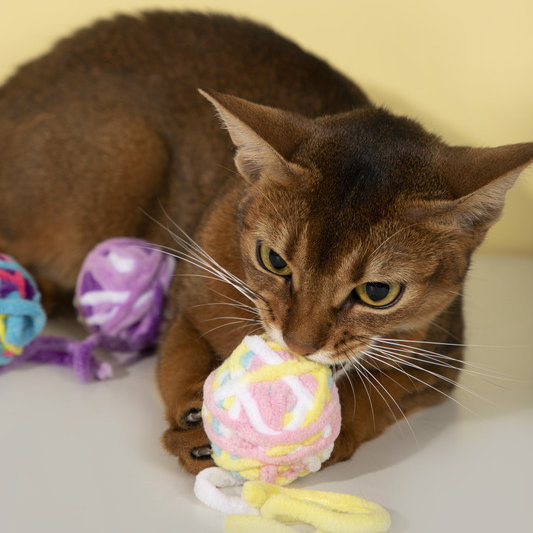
339 229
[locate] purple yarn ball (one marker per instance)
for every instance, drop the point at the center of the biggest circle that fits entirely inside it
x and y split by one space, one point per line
121 290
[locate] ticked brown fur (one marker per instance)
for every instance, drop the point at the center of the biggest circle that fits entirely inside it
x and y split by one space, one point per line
107 135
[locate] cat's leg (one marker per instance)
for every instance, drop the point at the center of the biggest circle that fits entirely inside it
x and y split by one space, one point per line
185 361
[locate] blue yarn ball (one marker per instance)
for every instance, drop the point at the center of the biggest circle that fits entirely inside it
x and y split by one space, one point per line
22 317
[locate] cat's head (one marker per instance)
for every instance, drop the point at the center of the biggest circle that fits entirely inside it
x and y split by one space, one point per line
360 225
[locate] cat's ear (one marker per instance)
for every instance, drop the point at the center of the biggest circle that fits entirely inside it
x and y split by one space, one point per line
479 179
265 137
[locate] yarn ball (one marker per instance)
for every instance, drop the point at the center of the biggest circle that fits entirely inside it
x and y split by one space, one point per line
21 315
271 415
121 289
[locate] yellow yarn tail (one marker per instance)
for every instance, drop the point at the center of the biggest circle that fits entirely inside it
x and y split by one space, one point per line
329 512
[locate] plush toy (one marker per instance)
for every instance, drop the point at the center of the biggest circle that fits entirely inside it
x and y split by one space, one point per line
120 295
273 416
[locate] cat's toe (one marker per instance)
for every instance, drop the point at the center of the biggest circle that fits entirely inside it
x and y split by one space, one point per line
190 445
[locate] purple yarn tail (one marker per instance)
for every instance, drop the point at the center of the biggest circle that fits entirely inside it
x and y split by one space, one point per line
43 349
79 355
64 352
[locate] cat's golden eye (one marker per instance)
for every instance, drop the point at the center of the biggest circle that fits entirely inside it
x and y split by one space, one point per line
272 261
378 294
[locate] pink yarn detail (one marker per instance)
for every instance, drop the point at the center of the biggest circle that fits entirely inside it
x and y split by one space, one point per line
17 279
264 423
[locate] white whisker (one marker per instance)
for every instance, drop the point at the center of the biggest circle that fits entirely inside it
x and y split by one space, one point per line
241 319
375 382
243 307
343 366
358 369
222 326
386 358
196 256
437 358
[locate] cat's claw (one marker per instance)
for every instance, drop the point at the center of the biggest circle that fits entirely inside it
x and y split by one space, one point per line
192 418
202 452
186 439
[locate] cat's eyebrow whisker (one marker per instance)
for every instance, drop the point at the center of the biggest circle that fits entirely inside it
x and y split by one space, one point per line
391 236
258 189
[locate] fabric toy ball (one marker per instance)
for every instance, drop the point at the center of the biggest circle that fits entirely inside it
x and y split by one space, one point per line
121 289
21 315
271 415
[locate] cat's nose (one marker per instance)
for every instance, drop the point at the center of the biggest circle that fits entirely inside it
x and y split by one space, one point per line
298 347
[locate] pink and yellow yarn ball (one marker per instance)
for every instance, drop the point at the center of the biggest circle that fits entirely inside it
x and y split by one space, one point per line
271 415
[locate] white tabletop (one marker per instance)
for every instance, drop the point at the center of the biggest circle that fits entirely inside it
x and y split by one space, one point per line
86 458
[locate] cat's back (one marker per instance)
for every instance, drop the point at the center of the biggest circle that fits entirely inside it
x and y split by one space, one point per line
167 55
110 122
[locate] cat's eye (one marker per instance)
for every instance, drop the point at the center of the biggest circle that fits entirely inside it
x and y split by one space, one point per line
272 261
378 294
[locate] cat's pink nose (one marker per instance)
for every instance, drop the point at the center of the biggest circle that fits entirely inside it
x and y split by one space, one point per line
297 347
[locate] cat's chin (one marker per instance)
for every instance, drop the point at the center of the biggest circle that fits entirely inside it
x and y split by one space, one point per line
275 334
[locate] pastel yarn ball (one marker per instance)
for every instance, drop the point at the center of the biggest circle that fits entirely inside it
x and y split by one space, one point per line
270 414
21 315
121 289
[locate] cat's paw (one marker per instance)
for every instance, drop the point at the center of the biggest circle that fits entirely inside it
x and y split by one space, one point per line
186 439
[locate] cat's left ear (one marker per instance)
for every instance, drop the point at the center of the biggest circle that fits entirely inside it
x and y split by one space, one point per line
265 137
479 179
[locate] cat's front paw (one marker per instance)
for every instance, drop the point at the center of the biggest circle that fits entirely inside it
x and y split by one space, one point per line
186 439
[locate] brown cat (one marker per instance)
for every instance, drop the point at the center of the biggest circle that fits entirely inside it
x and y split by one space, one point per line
345 233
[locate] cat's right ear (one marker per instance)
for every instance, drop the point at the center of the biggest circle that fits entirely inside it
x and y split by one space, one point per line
265 137
478 179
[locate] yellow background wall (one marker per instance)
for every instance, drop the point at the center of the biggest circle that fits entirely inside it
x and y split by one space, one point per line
464 68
